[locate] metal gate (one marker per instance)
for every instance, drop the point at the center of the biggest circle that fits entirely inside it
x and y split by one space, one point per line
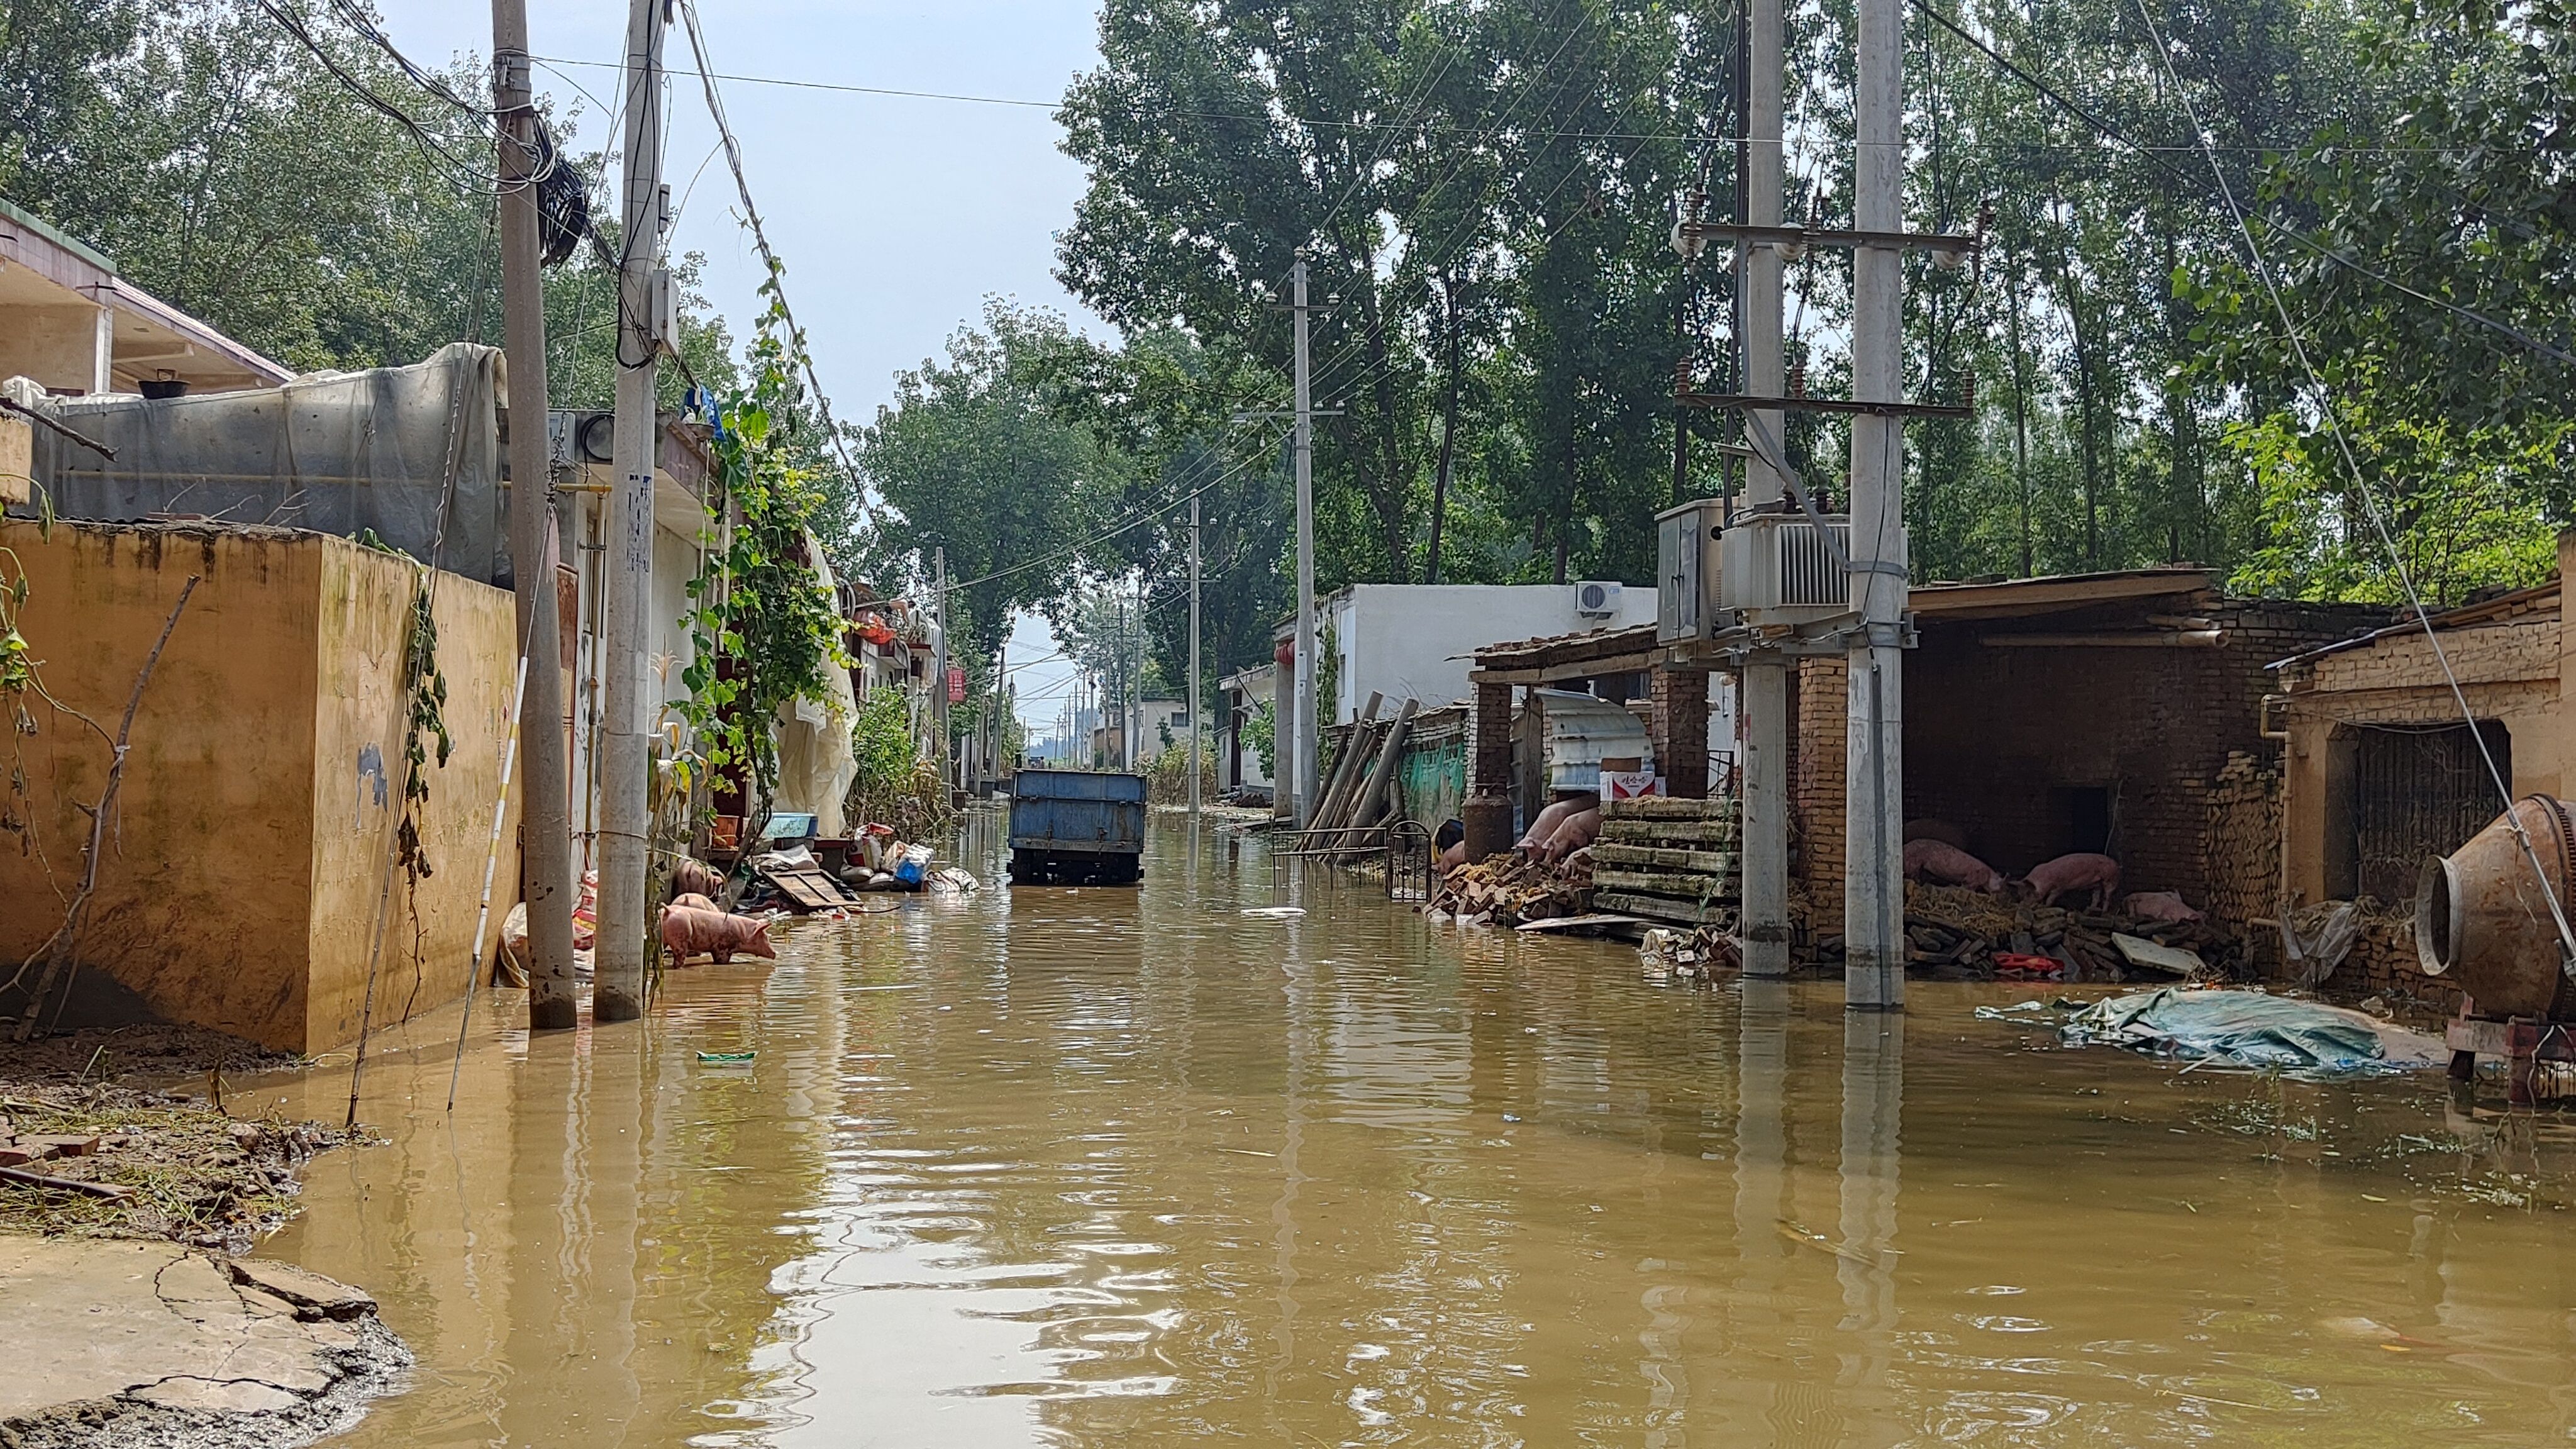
2418 793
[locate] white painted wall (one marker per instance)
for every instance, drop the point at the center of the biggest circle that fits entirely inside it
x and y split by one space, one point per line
1418 640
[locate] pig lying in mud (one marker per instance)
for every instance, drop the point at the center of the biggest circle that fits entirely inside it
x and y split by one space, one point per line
2081 871
1543 825
688 931
2161 906
1944 864
1572 833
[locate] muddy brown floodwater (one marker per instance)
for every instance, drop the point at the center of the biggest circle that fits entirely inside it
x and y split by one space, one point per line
1127 1167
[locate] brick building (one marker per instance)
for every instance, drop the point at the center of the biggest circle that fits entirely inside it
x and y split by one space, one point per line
2381 770
2093 712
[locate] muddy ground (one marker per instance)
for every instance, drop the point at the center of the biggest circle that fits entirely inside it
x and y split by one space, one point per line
147 1113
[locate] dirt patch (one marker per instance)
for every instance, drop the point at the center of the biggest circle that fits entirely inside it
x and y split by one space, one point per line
152 1056
192 1174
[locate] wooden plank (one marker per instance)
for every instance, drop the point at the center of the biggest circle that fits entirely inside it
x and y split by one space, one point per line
1707 862
1664 882
1675 832
1608 921
1658 908
1666 807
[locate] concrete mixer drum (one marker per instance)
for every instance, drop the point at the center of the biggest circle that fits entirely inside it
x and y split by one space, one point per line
2483 920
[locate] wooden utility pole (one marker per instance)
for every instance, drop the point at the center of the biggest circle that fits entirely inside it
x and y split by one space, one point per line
545 863
626 762
1874 780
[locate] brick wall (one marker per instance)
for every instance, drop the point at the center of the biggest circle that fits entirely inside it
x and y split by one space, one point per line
1679 722
2004 741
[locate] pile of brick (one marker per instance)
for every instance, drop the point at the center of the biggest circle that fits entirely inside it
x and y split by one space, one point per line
1510 889
2242 846
1667 860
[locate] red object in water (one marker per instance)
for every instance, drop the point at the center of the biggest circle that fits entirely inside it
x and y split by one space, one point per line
2014 963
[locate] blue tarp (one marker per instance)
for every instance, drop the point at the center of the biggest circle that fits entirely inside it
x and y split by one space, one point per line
2248 1028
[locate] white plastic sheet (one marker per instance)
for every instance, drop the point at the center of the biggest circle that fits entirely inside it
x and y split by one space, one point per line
816 761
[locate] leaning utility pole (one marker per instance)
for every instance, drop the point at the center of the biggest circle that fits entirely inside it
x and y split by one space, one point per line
626 732
1305 663
1874 790
545 864
1194 659
1766 670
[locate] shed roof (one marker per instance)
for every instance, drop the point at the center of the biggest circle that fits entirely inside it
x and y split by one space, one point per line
2531 603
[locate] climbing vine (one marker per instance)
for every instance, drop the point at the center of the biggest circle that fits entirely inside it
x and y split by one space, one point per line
764 633
425 716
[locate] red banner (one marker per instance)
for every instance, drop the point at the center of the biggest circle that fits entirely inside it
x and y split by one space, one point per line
956 684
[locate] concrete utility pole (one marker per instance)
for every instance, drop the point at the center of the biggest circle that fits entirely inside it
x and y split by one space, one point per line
545 866
1874 796
939 661
1766 671
1194 659
626 762
1306 664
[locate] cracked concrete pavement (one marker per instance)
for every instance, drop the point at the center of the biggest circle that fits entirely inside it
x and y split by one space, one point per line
154 1344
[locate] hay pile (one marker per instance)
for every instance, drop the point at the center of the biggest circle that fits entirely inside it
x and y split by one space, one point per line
1959 933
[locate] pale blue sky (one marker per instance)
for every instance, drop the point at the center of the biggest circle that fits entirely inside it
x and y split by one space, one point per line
896 217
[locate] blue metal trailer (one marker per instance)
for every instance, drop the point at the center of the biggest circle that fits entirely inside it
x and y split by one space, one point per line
1077 827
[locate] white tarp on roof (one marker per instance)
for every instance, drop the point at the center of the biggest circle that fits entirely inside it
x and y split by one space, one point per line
333 452
816 761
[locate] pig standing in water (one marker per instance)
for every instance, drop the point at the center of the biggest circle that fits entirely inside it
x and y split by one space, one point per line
688 931
2082 871
1945 864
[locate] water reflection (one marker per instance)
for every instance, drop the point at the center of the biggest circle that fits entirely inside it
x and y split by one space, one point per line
1109 1167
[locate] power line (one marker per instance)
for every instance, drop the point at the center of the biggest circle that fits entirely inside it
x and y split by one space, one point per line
1323 123
1106 534
2370 502
2114 134
777 284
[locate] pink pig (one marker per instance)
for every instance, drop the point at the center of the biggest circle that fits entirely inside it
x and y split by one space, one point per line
688 931
1572 834
2161 906
2082 871
693 901
1945 864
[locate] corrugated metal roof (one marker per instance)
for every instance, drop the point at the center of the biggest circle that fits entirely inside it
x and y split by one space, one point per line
1582 731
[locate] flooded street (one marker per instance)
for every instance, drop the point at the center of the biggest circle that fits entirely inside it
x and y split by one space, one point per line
1114 1167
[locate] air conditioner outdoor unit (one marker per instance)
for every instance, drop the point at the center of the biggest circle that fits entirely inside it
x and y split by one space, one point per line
1595 600
1686 545
1779 568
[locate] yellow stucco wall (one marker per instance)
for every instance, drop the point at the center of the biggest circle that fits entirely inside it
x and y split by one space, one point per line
2510 671
241 884
363 620
203 892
